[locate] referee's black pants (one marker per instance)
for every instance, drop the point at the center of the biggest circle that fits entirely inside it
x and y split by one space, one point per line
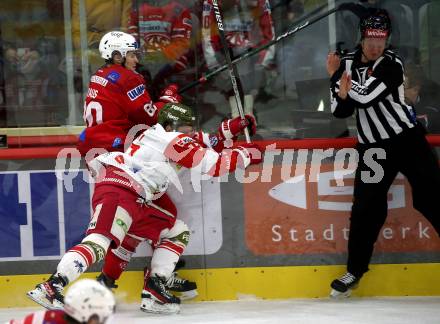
410 154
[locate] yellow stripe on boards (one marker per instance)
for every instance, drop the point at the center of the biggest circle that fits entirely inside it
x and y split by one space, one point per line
42 131
260 282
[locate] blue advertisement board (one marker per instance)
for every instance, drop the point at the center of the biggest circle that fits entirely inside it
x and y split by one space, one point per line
44 213
41 216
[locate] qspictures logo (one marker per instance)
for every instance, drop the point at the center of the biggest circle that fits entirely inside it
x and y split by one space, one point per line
309 212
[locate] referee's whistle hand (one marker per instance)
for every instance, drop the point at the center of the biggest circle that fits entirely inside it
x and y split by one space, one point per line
344 85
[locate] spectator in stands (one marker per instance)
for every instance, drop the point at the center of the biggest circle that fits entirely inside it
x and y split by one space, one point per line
424 96
163 30
294 10
2 85
100 17
31 50
430 41
247 24
24 80
285 12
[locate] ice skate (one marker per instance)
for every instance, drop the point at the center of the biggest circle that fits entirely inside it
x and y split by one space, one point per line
342 287
49 294
156 298
106 281
184 288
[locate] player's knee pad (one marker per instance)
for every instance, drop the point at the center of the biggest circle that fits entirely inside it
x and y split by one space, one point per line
112 219
178 234
98 243
121 223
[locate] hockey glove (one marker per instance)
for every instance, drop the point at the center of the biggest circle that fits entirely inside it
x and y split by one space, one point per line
231 128
170 94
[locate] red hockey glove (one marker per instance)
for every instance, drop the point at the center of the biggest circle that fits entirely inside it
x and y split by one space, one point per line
252 126
252 152
170 94
231 128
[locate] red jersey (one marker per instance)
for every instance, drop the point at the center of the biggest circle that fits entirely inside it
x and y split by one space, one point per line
42 317
166 29
116 101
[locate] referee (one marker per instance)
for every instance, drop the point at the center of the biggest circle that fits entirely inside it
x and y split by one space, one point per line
369 83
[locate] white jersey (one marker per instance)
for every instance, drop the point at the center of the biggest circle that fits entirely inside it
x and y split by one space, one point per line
150 162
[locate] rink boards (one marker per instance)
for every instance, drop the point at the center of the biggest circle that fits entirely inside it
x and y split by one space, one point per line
259 283
278 231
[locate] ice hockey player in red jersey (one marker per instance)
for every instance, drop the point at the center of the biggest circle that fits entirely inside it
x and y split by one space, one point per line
86 302
117 260
111 109
117 98
129 200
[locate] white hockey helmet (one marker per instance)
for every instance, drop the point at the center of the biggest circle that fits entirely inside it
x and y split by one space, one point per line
117 41
87 298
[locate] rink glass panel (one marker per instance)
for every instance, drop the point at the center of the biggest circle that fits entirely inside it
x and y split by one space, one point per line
49 49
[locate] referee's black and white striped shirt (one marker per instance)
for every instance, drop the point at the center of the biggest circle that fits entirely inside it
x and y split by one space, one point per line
377 96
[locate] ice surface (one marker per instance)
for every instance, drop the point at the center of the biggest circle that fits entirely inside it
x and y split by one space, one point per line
405 310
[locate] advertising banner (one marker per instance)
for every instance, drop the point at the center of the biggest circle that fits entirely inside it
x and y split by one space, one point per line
308 213
44 213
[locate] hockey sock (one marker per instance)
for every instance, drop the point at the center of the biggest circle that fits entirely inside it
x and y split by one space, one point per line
164 261
77 260
117 260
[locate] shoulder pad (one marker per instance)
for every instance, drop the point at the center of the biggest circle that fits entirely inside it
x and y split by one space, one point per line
393 56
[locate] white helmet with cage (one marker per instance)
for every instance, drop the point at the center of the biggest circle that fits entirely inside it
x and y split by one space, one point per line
117 41
87 298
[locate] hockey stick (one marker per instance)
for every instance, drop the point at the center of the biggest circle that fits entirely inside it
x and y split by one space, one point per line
355 8
232 68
